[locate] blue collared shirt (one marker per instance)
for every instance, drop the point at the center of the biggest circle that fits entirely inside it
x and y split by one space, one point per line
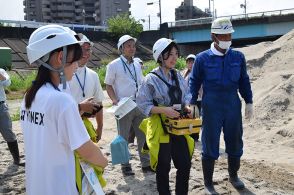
153 88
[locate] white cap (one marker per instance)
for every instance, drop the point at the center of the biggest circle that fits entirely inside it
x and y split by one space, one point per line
222 26
124 39
191 56
138 60
85 39
48 38
159 46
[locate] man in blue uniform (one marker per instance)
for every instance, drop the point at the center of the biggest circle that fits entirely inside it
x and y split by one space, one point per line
222 72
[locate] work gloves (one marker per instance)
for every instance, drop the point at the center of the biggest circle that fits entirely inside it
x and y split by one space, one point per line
248 111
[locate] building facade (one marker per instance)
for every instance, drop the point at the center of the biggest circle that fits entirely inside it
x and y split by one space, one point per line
90 12
188 11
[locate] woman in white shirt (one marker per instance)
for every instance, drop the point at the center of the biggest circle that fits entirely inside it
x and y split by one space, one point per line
50 119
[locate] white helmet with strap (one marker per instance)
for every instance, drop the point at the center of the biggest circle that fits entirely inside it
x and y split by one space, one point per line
191 56
46 39
124 39
222 26
159 46
85 39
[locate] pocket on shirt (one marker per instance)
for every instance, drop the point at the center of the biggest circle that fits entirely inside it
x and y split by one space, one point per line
235 72
212 72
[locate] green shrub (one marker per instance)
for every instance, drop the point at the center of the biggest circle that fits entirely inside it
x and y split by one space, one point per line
150 65
181 63
106 61
123 24
15 116
101 71
21 83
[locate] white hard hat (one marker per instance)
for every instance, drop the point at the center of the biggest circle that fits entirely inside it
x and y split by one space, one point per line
191 56
71 31
138 60
124 39
159 46
222 26
85 39
48 38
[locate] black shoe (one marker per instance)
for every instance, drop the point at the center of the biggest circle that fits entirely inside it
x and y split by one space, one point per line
237 183
127 171
147 170
209 190
13 148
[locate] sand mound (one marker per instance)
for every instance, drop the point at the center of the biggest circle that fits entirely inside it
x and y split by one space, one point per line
271 66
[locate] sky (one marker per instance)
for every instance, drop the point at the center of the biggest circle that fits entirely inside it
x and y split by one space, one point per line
13 9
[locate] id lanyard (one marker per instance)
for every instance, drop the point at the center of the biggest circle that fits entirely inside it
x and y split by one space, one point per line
134 77
82 86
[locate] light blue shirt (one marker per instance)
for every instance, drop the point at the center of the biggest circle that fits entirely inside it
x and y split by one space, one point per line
153 88
4 84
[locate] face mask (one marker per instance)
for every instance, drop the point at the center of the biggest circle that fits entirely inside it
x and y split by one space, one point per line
224 44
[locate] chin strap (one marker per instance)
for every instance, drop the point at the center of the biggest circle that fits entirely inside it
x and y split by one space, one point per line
60 70
61 73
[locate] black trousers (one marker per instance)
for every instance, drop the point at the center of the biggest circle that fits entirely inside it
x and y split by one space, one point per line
177 149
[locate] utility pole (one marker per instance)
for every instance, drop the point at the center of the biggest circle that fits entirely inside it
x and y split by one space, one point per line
209 8
149 21
160 12
244 6
213 11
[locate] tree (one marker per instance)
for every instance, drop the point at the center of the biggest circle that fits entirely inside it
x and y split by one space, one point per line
124 24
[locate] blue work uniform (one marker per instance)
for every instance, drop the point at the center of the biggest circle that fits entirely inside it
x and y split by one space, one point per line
222 78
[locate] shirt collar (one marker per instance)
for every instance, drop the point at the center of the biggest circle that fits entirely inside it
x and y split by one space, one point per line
125 60
215 51
81 69
167 78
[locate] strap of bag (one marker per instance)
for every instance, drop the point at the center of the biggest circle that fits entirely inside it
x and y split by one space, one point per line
167 84
162 124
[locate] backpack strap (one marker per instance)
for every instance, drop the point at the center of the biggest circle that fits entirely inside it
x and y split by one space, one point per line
167 84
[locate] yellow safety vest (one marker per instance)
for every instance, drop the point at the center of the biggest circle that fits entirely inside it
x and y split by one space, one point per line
98 170
155 135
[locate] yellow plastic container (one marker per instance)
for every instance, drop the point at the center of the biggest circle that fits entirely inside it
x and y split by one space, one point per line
183 126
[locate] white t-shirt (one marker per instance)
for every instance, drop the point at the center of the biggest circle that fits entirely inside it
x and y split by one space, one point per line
122 79
52 130
90 83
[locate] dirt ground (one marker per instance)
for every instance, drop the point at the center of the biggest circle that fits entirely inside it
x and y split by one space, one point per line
267 166
260 176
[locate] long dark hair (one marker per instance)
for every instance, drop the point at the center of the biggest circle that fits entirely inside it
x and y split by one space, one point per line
43 75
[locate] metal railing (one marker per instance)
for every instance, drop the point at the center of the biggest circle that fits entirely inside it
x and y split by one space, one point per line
32 24
208 20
